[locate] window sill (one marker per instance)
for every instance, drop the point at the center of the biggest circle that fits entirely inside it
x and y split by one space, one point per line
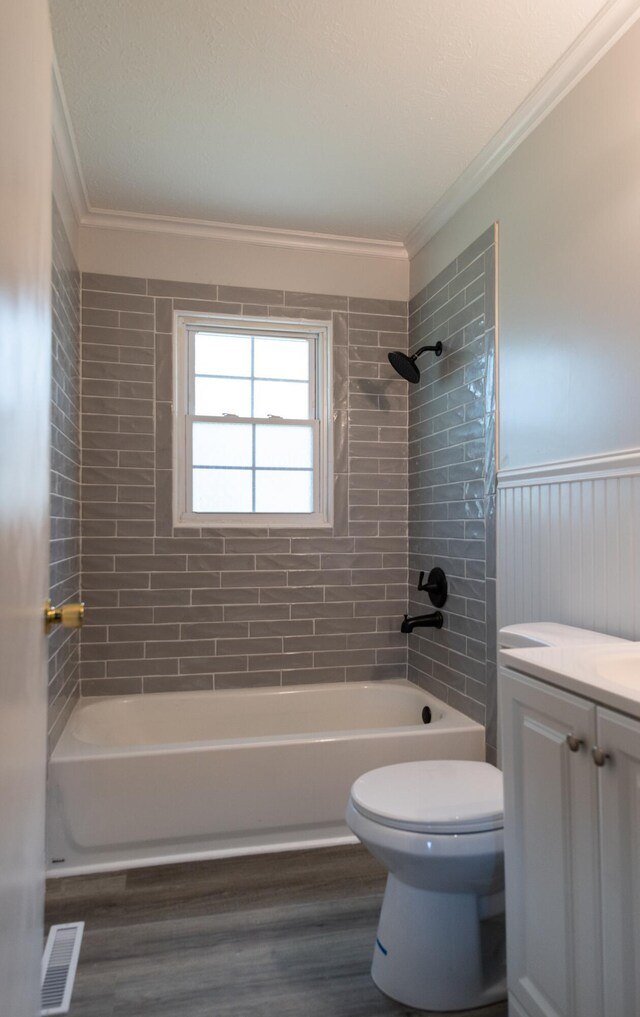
252 523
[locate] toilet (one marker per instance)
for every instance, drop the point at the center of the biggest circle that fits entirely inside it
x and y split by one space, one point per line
437 826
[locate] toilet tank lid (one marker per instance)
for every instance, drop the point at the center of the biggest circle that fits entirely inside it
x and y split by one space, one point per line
432 796
550 634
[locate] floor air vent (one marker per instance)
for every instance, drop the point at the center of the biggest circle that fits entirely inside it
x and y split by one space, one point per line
59 965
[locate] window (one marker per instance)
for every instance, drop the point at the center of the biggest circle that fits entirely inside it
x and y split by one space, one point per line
252 422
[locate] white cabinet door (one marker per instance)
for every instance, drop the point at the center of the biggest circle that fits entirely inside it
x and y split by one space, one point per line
551 850
620 852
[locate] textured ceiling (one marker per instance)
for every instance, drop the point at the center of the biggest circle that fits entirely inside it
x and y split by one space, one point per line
349 117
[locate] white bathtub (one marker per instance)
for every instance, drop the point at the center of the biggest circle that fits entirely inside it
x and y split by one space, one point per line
141 780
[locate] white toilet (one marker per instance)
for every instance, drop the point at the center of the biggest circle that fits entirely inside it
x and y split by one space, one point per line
437 827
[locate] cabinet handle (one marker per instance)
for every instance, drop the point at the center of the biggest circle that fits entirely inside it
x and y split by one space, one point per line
575 744
599 755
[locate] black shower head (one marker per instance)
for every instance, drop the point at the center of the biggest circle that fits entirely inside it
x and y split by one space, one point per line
406 366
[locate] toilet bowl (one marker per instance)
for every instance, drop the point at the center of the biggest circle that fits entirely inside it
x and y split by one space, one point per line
437 826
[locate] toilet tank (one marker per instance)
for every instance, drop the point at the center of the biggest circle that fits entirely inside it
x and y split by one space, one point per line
550 634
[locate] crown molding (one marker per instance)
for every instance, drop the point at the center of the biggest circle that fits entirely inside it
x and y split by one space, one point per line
98 218
262 235
591 45
603 31
64 143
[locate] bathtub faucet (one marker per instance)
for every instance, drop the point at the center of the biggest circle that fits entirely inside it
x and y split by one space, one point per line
424 621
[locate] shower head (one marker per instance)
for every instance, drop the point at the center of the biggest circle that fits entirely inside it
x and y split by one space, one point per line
406 366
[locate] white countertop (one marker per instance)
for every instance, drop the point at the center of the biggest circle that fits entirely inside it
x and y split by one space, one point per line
586 671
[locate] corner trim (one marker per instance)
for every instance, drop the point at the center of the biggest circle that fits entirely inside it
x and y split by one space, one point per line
615 18
616 464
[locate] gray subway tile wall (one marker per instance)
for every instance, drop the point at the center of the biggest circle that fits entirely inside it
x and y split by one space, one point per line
64 581
179 609
452 473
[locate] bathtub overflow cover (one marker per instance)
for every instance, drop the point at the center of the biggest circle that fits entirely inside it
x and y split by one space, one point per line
426 715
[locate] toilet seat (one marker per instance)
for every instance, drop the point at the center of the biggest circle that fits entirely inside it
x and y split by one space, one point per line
439 796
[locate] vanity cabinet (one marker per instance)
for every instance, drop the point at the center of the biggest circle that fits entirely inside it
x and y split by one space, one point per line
572 853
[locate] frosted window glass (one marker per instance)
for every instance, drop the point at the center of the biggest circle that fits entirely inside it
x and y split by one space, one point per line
284 491
284 446
281 358
223 354
223 444
215 396
288 399
222 490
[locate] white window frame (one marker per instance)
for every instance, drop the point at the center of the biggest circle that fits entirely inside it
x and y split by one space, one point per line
319 336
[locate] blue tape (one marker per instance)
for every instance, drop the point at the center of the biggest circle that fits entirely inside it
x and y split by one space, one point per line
379 944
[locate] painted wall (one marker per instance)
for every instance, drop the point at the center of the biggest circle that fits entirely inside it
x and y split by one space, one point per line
193 259
64 537
568 206
188 609
452 483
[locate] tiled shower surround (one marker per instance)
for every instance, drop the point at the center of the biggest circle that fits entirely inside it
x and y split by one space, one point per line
64 579
180 608
452 473
200 609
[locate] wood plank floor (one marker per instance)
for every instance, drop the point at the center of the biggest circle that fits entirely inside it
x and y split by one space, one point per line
282 935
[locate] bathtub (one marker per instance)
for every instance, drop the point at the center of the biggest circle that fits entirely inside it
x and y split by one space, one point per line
143 780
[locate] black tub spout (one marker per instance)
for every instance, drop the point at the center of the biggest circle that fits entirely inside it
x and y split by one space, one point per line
423 621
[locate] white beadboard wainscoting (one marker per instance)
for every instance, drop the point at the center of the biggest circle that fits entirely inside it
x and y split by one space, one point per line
569 544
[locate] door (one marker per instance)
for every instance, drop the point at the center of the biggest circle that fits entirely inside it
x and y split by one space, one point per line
619 780
25 339
551 850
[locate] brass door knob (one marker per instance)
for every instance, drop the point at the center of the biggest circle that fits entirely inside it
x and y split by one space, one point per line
70 616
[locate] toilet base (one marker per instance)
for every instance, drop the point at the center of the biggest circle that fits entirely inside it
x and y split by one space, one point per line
433 952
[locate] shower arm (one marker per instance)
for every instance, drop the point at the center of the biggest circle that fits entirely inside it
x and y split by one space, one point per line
437 349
